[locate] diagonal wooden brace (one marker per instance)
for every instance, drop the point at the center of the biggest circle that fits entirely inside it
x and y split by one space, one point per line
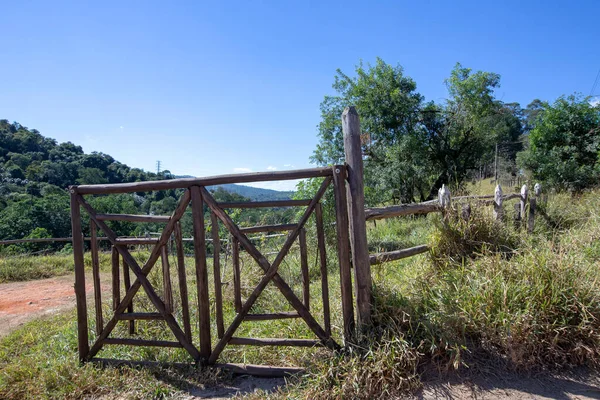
270 272
141 280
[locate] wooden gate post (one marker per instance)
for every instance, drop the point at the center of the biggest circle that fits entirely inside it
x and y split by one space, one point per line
77 237
356 208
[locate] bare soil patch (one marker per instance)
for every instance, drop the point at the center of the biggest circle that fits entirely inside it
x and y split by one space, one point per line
21 302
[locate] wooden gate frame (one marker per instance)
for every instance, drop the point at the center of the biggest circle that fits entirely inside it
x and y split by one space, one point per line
196 193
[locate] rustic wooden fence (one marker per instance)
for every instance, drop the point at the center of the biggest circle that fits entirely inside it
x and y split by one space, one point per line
352 252
195 195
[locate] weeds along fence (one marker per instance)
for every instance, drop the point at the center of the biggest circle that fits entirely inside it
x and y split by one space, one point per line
353 259
525 211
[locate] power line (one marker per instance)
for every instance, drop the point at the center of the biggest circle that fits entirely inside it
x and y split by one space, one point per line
595 85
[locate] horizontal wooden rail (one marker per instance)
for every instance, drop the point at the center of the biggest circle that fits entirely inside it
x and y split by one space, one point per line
272 316
141 342
44 240
270 203
269 228
275 342
139 316
380 258
400 210
125 241
133 218
183 183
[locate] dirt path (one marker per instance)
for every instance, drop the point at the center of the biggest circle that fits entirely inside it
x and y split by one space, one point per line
21 302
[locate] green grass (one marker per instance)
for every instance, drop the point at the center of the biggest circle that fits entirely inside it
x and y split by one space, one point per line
487 295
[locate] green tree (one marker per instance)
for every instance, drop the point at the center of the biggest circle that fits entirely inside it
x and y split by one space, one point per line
564 144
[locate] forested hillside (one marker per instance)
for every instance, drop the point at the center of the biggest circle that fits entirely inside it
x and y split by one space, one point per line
35 172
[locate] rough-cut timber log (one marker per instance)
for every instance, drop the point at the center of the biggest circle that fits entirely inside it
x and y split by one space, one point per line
237 286
142 280
139 316
272 316
380 258
270 273
201 272
142 342
401 210
275 342
167 288
134 218
265 204
183 289
343 248
268 228
82 328
214 221
127 284
116 280
184 183
323 267
357 222
304 269
96 278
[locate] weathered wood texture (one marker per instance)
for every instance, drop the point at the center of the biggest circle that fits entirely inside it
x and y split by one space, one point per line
343 243
116 278
185 183
134 218
182 276
237 283
265 204
498 199
523 201
356 208
82 327
127 285
269 228
272 316
96 277
201 272
270 273
275 342
323 267
214 221
142 280
304 269
380 258
401 210
167 288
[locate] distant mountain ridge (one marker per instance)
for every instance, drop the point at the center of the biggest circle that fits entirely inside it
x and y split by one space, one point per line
253 193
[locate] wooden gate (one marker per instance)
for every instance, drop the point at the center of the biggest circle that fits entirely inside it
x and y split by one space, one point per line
197 196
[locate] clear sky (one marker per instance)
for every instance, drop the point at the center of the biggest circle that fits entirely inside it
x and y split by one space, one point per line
223 86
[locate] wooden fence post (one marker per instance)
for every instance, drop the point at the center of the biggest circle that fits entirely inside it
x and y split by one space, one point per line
444 198
498 203
82 327
530 220
356 208
523 201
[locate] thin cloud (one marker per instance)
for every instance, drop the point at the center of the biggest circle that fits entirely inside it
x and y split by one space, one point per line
288 165
271 168
241 170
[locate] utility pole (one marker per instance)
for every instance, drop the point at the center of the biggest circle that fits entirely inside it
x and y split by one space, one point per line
158 163
496 166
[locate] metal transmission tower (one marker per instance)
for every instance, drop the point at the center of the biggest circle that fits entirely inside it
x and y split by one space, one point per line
157 167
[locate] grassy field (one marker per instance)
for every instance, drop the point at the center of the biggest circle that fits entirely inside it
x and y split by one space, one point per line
487 295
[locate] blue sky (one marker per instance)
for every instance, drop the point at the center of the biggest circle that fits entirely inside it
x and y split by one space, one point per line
217 87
